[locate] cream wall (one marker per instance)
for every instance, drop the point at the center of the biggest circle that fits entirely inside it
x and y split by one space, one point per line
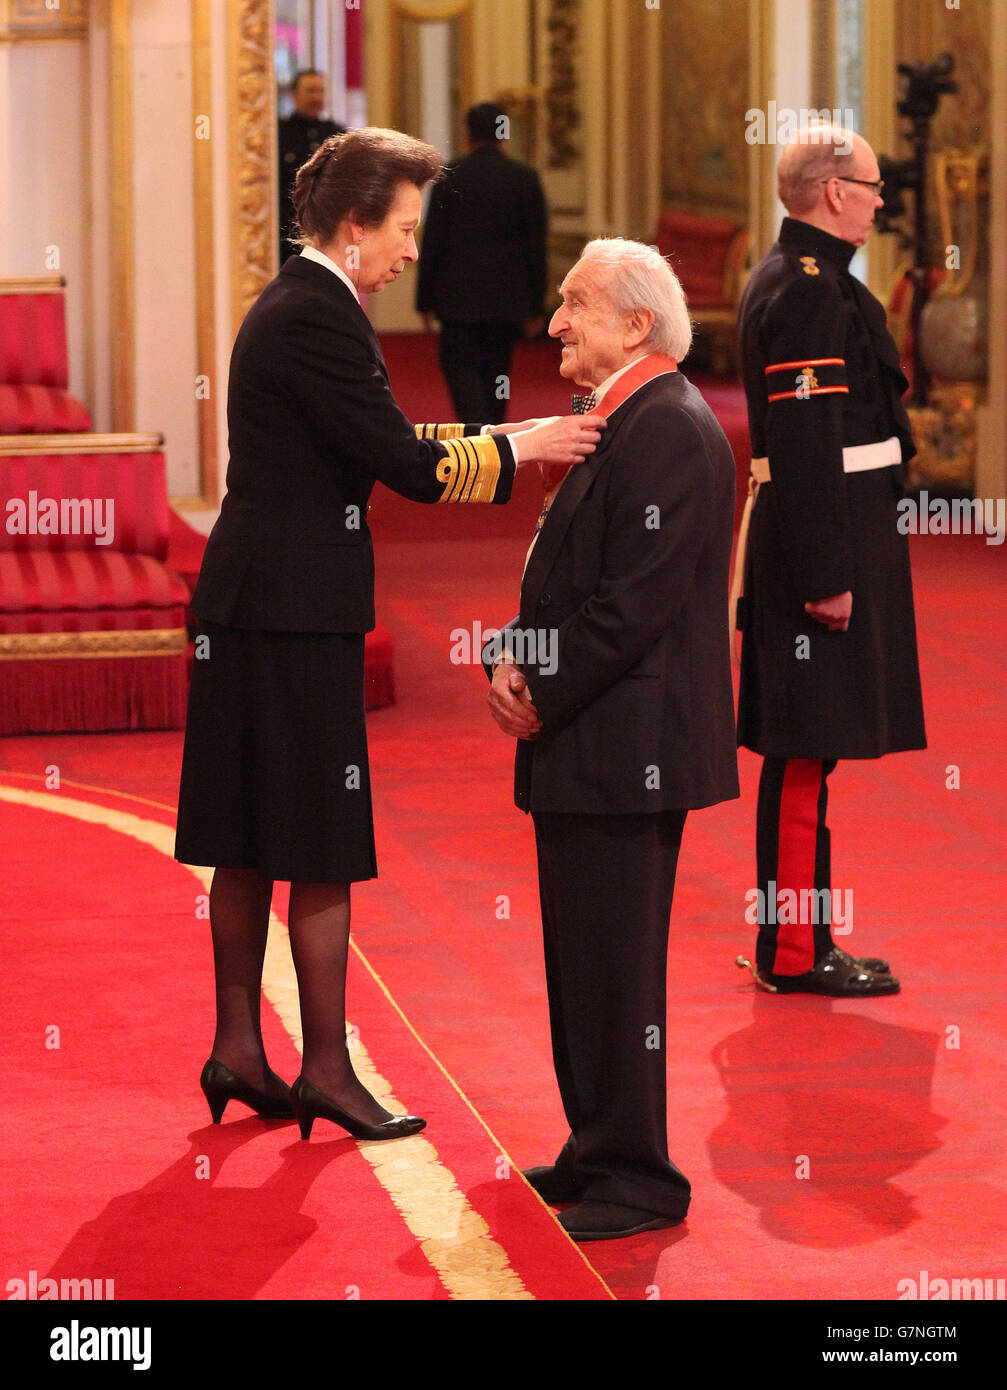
617 98
61 206
495 38
44 185
164 236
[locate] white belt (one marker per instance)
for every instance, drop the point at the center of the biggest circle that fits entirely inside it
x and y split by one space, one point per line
857 458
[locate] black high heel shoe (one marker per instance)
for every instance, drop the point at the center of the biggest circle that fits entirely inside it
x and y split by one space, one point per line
220 1085
311 1104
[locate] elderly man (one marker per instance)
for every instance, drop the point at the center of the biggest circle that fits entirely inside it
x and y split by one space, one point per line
828 657
616 683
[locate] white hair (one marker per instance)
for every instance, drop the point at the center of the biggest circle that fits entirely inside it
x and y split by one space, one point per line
639 277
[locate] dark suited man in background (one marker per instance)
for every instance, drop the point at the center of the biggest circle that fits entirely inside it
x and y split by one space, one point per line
301 133
616 681
483 265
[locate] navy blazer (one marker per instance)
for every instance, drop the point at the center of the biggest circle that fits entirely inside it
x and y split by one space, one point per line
483 251
624 618
312 426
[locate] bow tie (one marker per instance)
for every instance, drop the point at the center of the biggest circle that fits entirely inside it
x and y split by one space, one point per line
583 405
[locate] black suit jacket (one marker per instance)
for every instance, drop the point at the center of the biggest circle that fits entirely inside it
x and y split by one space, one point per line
312 426
483 251
629 582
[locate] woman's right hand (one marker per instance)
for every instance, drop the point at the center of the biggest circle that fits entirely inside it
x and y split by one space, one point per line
567 439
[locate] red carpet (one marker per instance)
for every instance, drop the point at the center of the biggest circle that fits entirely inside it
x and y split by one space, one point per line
836 1149
118 1173
894 1109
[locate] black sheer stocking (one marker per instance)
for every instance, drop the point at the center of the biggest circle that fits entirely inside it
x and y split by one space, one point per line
239 921
319 941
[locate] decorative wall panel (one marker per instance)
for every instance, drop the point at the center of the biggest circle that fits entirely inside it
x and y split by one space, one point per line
704 158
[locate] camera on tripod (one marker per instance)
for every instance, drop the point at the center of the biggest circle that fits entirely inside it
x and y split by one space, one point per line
922 86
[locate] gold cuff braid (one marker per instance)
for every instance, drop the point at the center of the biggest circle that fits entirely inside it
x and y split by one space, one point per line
471 470
440 432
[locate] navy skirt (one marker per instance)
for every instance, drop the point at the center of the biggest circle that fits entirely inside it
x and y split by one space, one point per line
274 769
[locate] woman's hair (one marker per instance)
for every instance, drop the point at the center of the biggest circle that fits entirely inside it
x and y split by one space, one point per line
639 277
358 172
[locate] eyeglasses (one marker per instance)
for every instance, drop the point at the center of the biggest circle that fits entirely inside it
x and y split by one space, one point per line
876 184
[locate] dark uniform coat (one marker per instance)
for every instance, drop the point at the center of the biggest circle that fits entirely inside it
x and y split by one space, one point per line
299 138
821 372
275 769
312 427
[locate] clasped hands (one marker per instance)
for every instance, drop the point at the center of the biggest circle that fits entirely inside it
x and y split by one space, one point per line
510 702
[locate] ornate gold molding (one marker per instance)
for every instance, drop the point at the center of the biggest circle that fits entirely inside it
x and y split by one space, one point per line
122 257
206 337
34 19
427 10
251 152
62 646
44 444
823 53
561 94
32 284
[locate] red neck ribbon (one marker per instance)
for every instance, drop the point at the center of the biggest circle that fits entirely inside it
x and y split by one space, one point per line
642 371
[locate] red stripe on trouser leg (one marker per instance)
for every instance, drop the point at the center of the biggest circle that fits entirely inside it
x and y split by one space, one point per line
795 869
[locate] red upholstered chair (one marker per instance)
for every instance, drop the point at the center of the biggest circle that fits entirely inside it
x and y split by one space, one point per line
92 621
33 359
708 255
185 555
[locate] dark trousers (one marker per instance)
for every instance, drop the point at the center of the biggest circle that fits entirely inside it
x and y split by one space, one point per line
793 856
606 886
474 357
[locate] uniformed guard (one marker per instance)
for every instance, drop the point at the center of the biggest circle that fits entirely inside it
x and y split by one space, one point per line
829 665
300 134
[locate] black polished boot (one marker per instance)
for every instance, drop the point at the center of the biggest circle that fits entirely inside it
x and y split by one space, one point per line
836 974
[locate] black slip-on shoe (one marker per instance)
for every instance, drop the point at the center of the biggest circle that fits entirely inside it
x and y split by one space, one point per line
590 1220
553 1185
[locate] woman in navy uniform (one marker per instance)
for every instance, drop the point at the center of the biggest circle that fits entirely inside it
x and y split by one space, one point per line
274 782
829 666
